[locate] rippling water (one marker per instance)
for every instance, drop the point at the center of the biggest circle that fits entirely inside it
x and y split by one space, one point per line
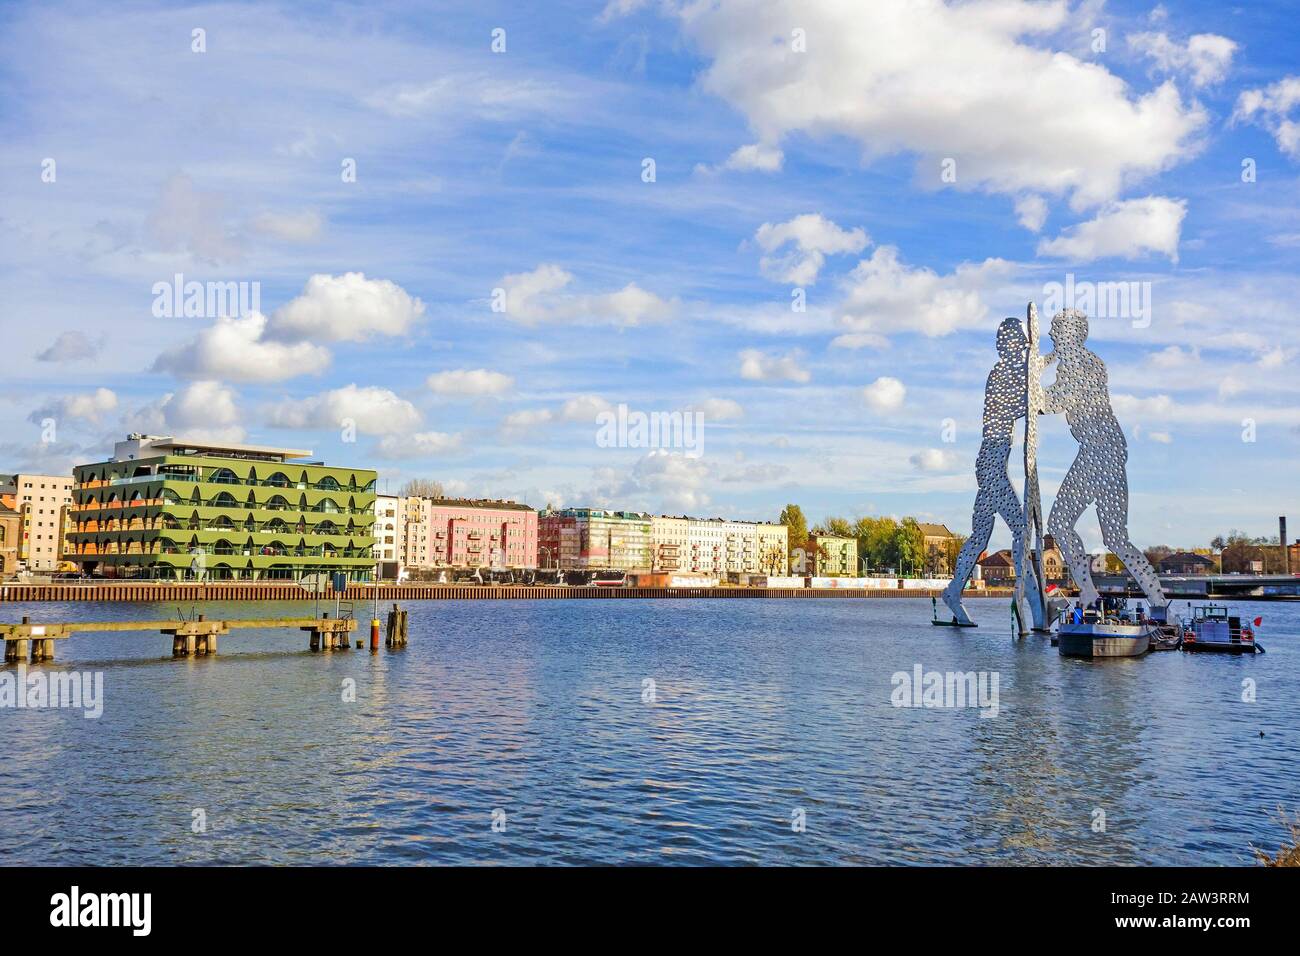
762 709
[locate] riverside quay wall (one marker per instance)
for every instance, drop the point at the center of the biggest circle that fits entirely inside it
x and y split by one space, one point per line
147 591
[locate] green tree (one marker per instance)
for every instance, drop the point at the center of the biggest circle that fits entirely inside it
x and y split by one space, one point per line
838 527
876 541
797 527
909 544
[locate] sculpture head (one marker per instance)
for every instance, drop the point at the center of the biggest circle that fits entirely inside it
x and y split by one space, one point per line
1012 342
1069 329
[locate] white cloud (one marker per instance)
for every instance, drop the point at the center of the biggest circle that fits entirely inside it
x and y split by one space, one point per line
718 409
584 408
1175 357
754 157
935 459
538 296
978 81
202 411
884 295
346 308
84 406
71 346
1160 438
757 366
1031 212
1205 57
813 237
885 394
233 348
469 382
527 418
304 226
418 445
671 480
373 410
1127 229
1271 107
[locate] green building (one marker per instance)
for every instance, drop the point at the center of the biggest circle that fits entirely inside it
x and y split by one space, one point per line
177 509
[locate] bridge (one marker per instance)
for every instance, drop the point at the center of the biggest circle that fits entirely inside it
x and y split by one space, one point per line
1266 586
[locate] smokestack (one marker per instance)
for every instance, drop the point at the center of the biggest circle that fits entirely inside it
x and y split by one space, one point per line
1281 536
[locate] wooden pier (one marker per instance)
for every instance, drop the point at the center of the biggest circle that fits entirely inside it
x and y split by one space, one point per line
197 637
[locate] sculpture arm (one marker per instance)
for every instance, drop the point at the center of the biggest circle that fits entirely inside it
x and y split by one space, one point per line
1055 400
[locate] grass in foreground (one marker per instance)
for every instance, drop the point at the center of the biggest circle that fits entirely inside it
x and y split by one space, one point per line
1289 853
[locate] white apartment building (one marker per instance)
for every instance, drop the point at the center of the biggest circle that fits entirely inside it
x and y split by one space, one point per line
715 546
389 535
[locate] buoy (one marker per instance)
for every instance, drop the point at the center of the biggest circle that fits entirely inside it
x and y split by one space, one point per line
374 634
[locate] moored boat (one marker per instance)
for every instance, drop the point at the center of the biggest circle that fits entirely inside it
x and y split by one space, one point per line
1211 628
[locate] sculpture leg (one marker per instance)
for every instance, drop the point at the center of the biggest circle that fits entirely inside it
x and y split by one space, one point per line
981 530
1015 519
1071 501
1112 513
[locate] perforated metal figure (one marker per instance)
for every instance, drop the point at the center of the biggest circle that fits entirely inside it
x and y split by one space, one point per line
1004 402
1100 470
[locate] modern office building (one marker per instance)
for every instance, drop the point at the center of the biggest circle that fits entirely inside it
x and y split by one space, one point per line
44 506
172 508
594 539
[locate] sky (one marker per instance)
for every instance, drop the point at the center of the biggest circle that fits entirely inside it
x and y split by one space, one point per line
466 231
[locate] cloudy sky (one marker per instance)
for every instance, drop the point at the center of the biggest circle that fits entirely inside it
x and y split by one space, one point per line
472 229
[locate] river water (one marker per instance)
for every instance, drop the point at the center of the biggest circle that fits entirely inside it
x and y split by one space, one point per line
649 732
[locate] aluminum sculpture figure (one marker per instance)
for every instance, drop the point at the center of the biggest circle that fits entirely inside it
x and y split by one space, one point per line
1036 577
1004 402
1099 473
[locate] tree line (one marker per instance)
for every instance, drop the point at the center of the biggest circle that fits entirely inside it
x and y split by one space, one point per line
883 542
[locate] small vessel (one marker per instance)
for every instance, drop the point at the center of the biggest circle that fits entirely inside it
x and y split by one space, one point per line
1110 630
1212 629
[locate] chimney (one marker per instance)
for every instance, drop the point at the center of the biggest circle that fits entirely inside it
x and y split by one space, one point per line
1281 536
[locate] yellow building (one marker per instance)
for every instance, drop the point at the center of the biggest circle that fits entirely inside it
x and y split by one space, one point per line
832 556
44 505
715 546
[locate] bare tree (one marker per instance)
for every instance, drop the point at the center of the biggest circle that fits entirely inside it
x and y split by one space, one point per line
422 488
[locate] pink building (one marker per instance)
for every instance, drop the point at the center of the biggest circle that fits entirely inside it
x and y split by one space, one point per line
464 533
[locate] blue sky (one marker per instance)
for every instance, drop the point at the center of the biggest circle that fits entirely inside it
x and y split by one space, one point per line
795 146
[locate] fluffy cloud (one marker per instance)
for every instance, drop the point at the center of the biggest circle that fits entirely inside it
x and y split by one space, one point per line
187 219
884 295
813 237
671 480
1017 114
418 445
235 349
1271 107
755 157
760 367
469 382
202 411
538 296
1205 57
71 346
257 348
885 394
371 409
1126 229
86 406
1031 212
346 308
580 408
935 459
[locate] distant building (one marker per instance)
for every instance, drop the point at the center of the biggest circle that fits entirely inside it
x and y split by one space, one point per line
832 556
389 538
173 508
594 539
44 506
1186 563
1053 560
479 533
997 569
11 530
939 547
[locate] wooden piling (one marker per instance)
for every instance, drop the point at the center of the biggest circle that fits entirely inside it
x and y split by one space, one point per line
397 624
